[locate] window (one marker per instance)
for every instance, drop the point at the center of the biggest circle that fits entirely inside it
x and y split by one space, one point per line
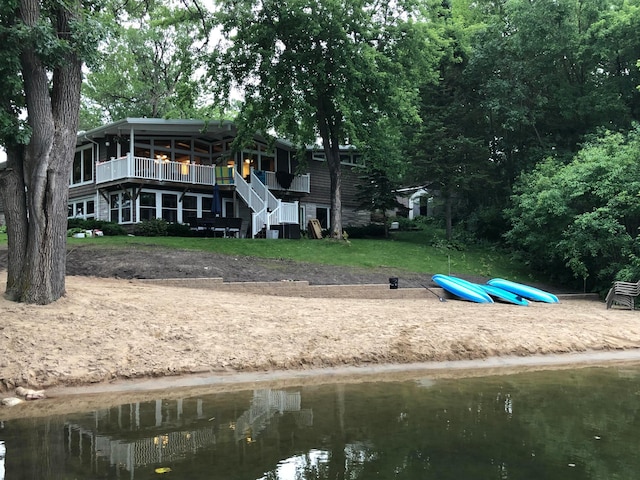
114 208
120 207
170 207
84 208
82 171
207 202
319 156
189 207
147 206
351 159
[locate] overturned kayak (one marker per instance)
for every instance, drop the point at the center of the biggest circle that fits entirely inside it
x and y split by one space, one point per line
504 295
526 291
462 289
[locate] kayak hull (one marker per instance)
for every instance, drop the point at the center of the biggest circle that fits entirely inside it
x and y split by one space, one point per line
526 291
504 295
462 289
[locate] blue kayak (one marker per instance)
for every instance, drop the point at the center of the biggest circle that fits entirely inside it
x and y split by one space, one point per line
526 291
504 295
461 288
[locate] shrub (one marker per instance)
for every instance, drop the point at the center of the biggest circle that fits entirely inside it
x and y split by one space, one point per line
368 231
179 230
156 227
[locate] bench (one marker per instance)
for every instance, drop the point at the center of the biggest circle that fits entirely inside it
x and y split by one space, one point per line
228 226
623 293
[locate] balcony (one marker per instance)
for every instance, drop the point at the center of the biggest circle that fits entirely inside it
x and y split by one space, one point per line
141 168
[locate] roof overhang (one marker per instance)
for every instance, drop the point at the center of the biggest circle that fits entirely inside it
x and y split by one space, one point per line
212 130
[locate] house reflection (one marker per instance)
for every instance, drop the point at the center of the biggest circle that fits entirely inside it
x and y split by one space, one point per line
148 434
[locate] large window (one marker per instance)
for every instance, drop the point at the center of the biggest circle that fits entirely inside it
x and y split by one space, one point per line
120 208
82 166
170 207
189 207
147 206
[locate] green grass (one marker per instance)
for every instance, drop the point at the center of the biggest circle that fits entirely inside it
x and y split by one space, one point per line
416 251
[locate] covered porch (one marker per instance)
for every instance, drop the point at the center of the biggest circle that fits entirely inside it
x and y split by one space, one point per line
130 167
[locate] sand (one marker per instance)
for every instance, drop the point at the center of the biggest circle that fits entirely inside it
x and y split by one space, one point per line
108 330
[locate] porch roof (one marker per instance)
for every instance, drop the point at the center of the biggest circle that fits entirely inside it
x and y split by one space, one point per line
215 129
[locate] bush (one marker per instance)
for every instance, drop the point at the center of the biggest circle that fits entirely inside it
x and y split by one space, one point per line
156 227
368 231
179 230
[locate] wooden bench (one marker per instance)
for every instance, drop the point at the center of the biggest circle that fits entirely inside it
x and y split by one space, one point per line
623 293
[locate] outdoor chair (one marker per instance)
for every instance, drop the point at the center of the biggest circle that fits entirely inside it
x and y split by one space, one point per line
623 293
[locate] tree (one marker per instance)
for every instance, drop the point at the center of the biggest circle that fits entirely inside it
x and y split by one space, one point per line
148 65
582 218
324 69
43 46
551 71
382 170
448 149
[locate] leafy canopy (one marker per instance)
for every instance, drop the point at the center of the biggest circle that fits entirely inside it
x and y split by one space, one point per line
584 215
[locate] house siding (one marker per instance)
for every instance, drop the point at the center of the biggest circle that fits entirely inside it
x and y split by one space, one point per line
319 195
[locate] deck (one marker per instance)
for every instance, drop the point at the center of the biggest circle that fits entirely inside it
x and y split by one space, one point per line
149 169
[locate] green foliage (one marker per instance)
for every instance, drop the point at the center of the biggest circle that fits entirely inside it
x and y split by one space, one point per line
179 230
582 218
107 228
146 68
376 192
367 231
156 227
333 70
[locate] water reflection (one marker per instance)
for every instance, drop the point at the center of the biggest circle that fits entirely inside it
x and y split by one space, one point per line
552 425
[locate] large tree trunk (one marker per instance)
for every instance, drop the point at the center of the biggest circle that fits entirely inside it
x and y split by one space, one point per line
335 174
38 273
12 189
331 145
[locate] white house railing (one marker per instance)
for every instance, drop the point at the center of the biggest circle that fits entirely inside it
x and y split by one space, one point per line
131 166
152 169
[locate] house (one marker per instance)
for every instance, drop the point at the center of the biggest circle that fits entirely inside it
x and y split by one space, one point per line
139 169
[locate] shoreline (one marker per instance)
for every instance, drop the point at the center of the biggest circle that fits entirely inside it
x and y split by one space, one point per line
65 400
355 374
130 335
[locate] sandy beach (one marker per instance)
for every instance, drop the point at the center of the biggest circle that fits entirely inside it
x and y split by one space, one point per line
107 331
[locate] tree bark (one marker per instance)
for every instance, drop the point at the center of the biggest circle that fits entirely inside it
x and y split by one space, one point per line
331 145
12 189
52 102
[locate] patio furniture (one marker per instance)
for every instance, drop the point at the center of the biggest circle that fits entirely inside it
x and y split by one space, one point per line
623 293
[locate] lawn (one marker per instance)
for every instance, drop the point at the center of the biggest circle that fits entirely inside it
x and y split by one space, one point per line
415 251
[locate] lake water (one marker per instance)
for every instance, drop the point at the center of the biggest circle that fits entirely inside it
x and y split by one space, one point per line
565 424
